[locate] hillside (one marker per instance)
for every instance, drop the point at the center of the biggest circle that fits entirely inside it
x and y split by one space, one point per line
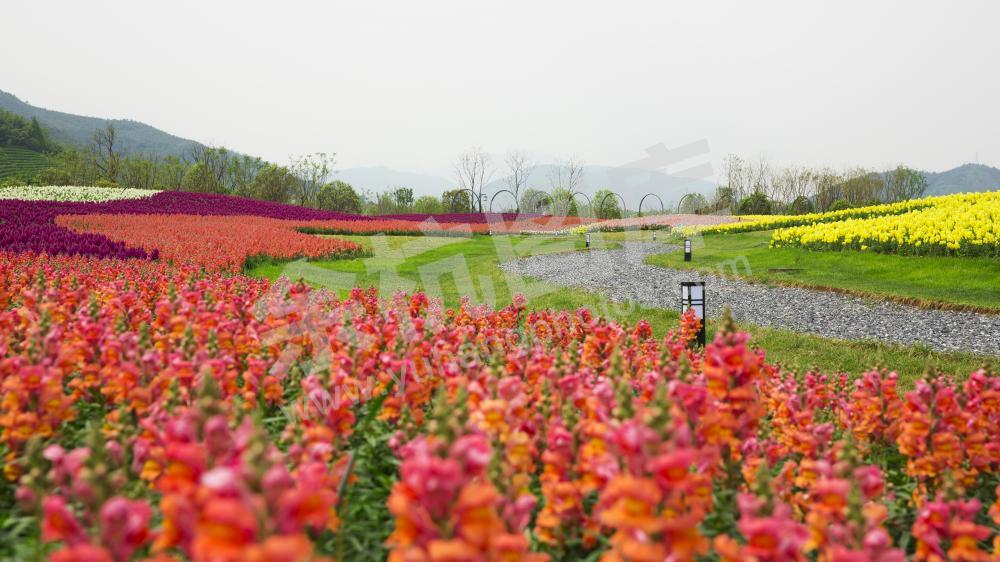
965 178
135 137
21 163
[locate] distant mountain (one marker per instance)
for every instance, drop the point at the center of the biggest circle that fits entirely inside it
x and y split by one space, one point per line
77 130
631 184
965 178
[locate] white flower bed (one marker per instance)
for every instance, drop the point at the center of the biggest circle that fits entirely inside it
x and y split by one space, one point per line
73 193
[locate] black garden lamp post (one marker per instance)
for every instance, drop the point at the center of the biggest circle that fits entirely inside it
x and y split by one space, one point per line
586 238
693 297
687 249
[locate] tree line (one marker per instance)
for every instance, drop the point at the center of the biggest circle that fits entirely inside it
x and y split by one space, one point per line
474 169
757 187
307 180
745 186
18 132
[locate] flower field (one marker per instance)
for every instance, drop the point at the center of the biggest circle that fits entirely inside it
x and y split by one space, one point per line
73 194
214 242
227 242
30 225
964 224
770 222
158 405
660 221
164 412
218 230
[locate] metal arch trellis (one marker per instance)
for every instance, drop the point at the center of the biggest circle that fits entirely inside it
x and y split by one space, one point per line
530 198
681 202
641 201
569 200
590 204
600 204
517 205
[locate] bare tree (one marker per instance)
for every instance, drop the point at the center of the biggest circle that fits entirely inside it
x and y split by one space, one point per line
473 170
761 177
104 153
519 169
791 183
782 184
313 171
829 187
734 170
567 174
805 183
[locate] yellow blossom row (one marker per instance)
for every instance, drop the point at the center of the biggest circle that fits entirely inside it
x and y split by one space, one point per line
769 222
961 224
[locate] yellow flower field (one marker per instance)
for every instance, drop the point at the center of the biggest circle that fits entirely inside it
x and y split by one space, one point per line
961 224
769 222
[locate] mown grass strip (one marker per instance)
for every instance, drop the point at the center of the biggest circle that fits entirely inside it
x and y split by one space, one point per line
939 282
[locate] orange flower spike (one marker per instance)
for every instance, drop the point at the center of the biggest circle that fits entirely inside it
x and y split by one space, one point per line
281 548
455 550
493 417
629 503
520 452
475 514
227 528
513 548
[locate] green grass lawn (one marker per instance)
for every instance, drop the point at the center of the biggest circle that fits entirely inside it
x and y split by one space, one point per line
450 268
929 281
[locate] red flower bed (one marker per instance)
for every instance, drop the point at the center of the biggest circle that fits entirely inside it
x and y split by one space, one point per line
391 226
215 242
161 413
225 242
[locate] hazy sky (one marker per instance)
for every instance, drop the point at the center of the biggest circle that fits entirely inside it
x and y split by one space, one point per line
411 84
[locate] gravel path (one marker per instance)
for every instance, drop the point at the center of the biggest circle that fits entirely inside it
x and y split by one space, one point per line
621 275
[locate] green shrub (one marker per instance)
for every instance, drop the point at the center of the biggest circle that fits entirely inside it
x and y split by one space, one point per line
840 205
800 206
53 176
755 204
